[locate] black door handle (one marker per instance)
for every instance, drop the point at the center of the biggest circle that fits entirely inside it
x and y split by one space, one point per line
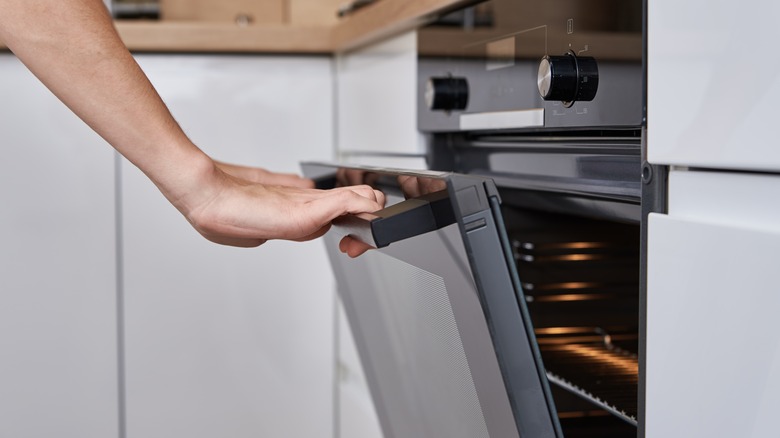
405 219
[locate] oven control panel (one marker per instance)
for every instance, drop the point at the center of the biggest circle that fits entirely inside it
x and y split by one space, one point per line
532 65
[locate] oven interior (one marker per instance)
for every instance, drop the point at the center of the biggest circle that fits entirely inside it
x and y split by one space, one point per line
580 279
571 207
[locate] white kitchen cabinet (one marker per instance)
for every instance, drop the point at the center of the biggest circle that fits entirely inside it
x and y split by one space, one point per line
712 308
376 92
58 329
712 87
230 342
712 294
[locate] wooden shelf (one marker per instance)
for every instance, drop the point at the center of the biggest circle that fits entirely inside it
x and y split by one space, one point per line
150 36
386 18
372 23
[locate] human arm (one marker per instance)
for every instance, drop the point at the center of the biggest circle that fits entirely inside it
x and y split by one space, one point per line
73 48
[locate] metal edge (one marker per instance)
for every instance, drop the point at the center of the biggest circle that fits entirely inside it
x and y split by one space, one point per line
654 200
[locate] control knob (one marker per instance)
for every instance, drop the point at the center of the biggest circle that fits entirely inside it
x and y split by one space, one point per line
447 93
568 78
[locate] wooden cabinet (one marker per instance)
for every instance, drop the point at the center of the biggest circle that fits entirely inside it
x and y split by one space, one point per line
250 11
314 12
293 12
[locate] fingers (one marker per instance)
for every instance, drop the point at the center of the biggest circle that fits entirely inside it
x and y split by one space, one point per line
343 202
380 198
366 192
350 177
409 186
353 247
413 186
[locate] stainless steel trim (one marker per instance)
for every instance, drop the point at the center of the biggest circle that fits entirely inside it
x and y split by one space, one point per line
503 119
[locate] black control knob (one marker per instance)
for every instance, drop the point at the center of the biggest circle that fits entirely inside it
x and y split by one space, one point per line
447 93
568 78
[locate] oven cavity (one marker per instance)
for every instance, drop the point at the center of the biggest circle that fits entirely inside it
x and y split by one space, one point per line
580 279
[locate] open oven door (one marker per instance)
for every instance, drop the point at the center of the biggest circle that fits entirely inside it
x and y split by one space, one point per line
437 311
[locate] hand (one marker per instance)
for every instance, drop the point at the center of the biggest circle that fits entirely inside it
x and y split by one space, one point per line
411 186
233 211
262 176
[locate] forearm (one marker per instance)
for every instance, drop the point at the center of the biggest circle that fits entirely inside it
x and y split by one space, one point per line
73 48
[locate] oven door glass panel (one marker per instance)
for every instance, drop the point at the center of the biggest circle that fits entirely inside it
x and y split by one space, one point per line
443 338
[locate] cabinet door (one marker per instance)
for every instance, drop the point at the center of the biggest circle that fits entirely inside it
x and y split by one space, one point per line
227 341
376 99
58 338
712 308
712 88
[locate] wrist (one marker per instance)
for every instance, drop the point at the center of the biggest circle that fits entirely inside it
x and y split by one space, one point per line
188 178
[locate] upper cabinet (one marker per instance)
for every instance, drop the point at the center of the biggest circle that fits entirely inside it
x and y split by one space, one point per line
713 84
241 12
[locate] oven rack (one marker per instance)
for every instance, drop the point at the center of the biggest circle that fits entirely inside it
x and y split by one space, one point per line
603 375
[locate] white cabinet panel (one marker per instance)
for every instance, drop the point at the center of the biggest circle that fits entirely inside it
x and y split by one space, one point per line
58 353
713 367
377 96
230 342
713 86
726 198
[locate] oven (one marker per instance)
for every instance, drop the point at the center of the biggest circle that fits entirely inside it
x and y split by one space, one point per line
506 293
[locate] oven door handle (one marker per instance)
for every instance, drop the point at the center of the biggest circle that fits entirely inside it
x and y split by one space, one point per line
403 220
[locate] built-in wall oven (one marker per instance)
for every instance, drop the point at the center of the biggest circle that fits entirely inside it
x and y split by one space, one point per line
506 296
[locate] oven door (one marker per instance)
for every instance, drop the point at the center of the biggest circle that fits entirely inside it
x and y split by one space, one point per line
437 311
